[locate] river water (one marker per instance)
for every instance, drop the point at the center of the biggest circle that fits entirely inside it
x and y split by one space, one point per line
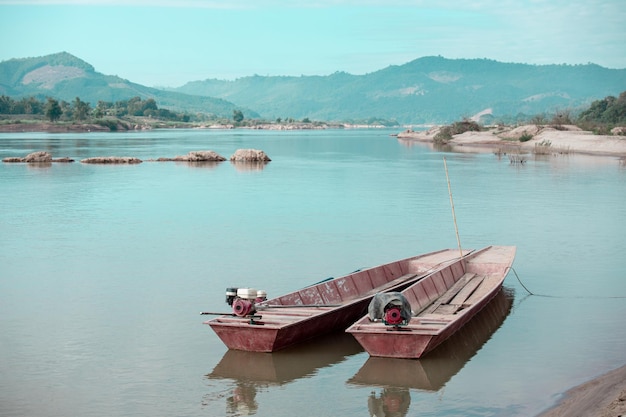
105 268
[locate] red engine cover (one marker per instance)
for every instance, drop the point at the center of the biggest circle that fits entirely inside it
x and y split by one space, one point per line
242 307
393 316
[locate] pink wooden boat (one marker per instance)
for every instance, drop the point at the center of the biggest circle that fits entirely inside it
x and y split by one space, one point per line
433 371
332 305
440 305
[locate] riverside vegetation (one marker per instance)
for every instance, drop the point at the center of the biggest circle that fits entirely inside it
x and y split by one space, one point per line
32 114
603 117
606 116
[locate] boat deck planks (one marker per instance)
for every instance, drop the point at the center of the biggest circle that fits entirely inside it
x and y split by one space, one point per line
446 296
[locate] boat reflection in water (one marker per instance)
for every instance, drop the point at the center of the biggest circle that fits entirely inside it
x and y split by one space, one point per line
433 371
392 402
256 370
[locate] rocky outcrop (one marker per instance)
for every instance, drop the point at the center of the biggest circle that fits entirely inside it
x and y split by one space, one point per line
249 155
40 156
37 158
111 160
196 156
243 155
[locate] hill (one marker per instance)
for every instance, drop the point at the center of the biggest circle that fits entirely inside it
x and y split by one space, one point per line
65 77
426 90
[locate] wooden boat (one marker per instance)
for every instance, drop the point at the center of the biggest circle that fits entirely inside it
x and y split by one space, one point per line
331 305
440 305
433 371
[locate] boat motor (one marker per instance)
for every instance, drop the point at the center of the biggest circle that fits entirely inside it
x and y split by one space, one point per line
231 294
392 308
393 315
243 300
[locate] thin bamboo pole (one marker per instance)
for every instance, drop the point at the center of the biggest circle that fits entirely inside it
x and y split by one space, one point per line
456 229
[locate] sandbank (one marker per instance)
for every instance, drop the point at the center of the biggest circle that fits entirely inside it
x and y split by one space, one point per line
604 396
562 140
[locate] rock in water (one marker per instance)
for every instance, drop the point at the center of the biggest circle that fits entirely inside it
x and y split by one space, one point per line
197 156
111 160
249 155
39 156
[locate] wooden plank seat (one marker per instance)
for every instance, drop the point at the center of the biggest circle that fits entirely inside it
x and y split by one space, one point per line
446 296
455 298
467 290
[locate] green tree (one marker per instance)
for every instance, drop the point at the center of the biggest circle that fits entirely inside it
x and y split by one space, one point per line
237 116
6 104
31 105
52 110
66 108
101 109
610 110
80 109
149 106
135 106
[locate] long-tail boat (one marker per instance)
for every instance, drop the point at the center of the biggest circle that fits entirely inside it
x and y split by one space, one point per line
410 323
431 372
262 325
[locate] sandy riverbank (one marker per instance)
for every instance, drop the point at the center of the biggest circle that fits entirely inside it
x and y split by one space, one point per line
604 396
566 139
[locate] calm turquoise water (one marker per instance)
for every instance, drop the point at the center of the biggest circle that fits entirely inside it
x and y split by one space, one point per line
104 269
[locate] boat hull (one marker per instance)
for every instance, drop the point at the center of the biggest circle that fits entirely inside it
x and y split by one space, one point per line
265 336
324 307
434 370
484 271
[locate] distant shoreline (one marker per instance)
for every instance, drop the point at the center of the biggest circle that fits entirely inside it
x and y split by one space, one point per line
51 127
126 126
566 139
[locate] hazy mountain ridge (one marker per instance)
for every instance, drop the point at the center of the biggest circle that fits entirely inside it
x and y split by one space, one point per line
426 90
64 76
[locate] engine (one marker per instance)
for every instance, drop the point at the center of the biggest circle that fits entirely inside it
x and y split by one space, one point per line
392 308
244 300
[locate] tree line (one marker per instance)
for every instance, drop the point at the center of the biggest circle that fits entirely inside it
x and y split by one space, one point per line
610 110
600 117
78 110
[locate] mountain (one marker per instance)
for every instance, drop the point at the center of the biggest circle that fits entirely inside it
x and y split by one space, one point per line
65 77
426 90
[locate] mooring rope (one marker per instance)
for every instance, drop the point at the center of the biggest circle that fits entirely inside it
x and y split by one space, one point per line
562 296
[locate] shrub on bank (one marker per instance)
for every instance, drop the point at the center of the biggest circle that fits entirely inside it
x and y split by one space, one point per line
447 132
525 137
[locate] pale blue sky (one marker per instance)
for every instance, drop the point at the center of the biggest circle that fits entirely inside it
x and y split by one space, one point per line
170 42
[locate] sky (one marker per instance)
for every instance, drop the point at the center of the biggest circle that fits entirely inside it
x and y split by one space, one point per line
166 43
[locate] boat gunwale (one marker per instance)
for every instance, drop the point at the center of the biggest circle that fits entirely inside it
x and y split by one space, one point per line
244 322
